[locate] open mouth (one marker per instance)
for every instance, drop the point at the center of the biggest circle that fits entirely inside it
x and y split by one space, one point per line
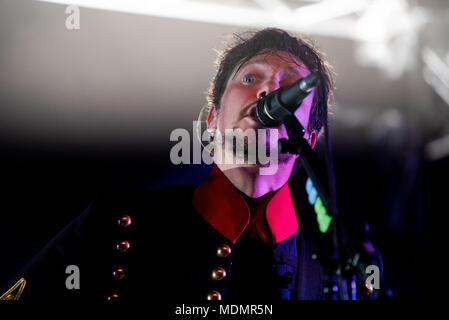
251 112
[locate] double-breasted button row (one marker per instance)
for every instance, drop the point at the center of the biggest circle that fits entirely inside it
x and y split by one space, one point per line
219 273
223 251
122 247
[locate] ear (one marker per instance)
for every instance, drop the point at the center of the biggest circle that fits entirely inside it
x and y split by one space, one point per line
211 119
312 139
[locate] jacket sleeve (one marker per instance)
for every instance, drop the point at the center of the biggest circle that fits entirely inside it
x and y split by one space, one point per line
44 277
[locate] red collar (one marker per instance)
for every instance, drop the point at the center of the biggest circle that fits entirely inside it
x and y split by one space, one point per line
225 209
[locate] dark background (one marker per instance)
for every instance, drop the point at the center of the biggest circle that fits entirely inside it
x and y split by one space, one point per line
89 112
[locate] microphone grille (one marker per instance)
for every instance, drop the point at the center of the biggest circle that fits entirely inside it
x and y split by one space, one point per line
309 82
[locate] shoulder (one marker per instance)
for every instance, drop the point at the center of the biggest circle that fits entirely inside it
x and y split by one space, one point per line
146 206
143 199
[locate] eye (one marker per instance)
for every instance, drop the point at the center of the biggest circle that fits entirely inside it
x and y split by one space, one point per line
249 78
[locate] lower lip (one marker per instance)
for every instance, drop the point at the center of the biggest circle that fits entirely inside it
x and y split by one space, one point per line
251 121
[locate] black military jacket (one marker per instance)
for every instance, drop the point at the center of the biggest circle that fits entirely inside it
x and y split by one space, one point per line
153 247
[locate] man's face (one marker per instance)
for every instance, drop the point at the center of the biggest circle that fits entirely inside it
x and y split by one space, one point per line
257 77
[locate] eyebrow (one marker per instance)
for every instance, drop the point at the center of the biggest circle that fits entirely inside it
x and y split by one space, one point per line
290 69
258 61
248 63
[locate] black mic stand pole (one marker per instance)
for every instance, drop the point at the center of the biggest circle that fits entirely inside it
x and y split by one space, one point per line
279 107
296 144
344 258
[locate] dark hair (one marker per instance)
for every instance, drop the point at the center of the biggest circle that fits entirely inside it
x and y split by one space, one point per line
250 44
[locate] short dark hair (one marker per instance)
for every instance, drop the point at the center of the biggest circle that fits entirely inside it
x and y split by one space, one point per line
249 44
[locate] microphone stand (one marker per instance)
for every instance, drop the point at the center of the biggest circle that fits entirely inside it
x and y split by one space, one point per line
336 253
343 258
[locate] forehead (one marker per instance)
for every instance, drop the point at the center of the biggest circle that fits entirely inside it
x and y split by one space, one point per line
276 60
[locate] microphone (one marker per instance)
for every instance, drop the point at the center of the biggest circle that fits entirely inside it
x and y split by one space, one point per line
272 109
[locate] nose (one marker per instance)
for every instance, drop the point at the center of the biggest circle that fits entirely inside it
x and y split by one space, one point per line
267 87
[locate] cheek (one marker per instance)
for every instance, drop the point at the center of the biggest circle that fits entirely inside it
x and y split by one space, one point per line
221 123
237 95
232 102
223 115
226 116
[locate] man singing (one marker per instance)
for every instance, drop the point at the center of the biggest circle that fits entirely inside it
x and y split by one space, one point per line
238 236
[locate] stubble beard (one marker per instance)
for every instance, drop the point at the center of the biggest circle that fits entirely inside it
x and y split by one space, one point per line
251 148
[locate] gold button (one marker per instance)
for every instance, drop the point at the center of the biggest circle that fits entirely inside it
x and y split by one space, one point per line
223 251
214 295
113 297
368 289
119 273
218 273
122 246
124 221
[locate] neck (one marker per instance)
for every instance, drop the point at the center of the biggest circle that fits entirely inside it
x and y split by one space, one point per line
248 179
